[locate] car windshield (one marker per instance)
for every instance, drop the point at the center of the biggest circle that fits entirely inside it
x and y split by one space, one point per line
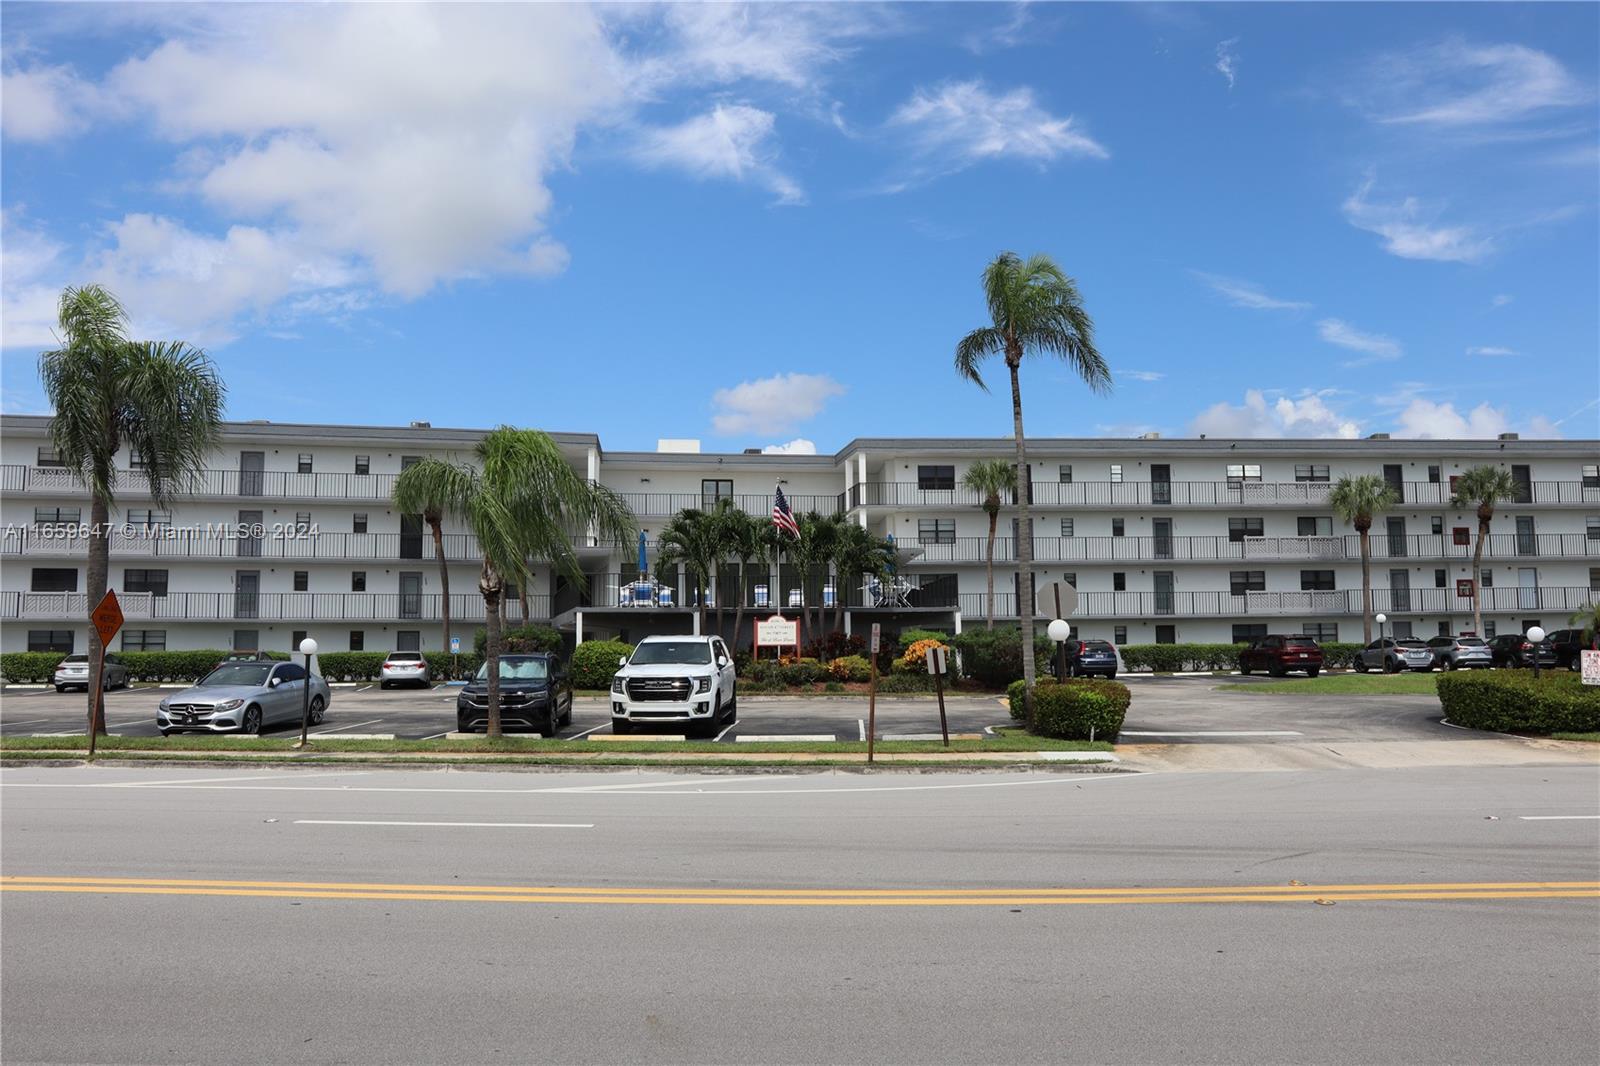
253 675
515 669
659 652
1096 645
76 659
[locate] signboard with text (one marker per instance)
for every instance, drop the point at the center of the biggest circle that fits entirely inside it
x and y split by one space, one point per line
777 632
107 617
1589 663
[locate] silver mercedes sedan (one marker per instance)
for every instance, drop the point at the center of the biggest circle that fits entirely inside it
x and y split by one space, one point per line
244 698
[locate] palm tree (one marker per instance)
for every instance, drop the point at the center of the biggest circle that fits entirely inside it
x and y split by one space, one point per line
744 539
163 399
814 549
1588 619
1481 487
725 517
990 479
520 500
1033 308
691 538
409 499
1357 500
856 552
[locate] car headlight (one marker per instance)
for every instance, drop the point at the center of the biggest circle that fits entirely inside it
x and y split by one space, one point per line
229 705
702 684
617 684
162 705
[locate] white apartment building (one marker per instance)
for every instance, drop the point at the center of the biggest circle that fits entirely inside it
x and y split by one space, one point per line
1165 540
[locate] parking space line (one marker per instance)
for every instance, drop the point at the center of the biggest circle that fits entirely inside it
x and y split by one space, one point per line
799 738
352 725
1216 733
436 736
586 732
861 725
724 732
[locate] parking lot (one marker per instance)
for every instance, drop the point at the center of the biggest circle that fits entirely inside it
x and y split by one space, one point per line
1179 710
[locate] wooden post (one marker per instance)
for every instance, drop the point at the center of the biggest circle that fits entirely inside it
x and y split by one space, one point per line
96 687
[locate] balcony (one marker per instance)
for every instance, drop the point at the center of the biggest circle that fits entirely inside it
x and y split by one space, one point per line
667 504
242 484
180 545
1162 494
298 607
1559 600
1339 548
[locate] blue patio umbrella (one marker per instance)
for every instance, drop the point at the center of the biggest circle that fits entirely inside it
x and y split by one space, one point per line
643 568
894 552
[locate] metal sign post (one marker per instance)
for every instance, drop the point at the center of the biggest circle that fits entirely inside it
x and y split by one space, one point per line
107 619
455 657
938 661
872 691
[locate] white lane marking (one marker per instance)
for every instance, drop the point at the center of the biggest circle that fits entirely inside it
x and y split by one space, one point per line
724 733
352 725
1070 779
645 784
455 825
861 726
778 738
1559 817
1217 733
989 730
586 732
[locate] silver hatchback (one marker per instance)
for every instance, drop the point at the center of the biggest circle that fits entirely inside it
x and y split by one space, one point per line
1392 656
1461 653
244 698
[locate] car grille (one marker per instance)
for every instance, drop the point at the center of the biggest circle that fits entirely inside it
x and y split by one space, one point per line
644 689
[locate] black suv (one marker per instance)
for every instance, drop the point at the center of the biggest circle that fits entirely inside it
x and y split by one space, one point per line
535 693
1567 643
1515 649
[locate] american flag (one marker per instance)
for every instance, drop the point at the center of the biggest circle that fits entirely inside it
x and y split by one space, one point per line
782 517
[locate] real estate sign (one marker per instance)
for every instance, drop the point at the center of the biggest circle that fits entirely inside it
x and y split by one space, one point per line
1590 663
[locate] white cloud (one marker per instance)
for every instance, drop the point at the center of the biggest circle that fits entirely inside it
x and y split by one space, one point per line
1228 60
1456 84
1440 421
1143 375
730 141
798 446
1492 350
772 405
30 263
784 44
1305 416
1248 294
1377 346
1008 34
43 103
1406 235
1501 299
962 123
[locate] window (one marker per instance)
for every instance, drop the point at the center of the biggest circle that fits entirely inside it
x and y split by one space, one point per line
57 516
1488 628
144 640
1310 472
714 489
151 581
1116 473
303 464
358 640
408 640
363 464
1594 579
1238 472
49 457
1402 630
1591 475
1592 527
358 581
936 531
150 519
936 477
1166 634
1119 634
1066 527
1244 634
1436 525
1460 535
295 638
1440 579
358 523
1321 632
1486 578
1064 473
247 640
53 579
1240 528
508 592
1119 581
302 583
136 461
302 521
1316 580
1313 526
408 461
1243 581
50 640
1444 629
1118 527
1070 579
1433 479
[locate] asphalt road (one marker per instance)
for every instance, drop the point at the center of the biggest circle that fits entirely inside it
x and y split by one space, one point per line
515 938
1179 710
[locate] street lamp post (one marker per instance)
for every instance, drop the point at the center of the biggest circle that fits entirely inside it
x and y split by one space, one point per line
308 648
1535 638
1381 618
1059 630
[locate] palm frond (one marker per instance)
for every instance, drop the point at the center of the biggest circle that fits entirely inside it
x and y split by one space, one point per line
170 412
1359 499
974 348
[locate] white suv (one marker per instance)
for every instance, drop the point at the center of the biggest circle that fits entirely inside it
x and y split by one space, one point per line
684 681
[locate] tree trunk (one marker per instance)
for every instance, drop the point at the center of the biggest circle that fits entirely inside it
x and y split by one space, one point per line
738 609
994 518
489 584
1477 575
700 601
838 600
1366 587
522 593
94 587
444 578
1024 538
716 595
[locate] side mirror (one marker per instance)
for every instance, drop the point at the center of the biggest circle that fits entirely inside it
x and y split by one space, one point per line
722 660
275 682
623 661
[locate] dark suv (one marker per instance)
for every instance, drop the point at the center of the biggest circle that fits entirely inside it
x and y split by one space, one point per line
1567 643
535 693
1277 655
1091 658
1515 649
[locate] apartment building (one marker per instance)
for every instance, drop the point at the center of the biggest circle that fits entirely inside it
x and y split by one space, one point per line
291 532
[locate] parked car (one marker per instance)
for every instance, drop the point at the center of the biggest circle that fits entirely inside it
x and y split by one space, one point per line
404 668
1515 649
1091 658
245 697
535 693
1392 656
244 657
1461 653
73 672
1279 654
679 681
1567 644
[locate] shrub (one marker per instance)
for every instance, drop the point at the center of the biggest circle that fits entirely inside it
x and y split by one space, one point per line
833 686
909 637
762 672
352 665
1511 701
850 668
836 645
594 662
915 654
1067 710
521 639
29 667
994 656
917 682
802 672
443 665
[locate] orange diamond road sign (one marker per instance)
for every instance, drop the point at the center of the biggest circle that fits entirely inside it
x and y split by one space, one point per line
107 617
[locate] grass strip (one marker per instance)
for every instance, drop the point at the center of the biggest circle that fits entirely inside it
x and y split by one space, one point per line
1592 738
1407 684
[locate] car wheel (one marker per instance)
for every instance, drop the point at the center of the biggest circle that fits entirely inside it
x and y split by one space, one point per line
1276 671
61 688
166 732
1112 676
252 722
383 684
1359 665
547 725
1391 666
620 726
1244 671
318 710
1313 671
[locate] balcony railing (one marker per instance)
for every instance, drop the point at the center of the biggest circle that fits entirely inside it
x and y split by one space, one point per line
1339 548
265 607
1160 494
1558 600
246 484
666 504
186 544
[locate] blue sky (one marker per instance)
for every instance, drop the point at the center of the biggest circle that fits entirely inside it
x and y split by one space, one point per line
765 226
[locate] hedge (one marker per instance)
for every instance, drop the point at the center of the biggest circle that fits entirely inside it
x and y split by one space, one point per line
1173 657
1069 710
35 667
514 639
29 667
594 662
994 656
1511 701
